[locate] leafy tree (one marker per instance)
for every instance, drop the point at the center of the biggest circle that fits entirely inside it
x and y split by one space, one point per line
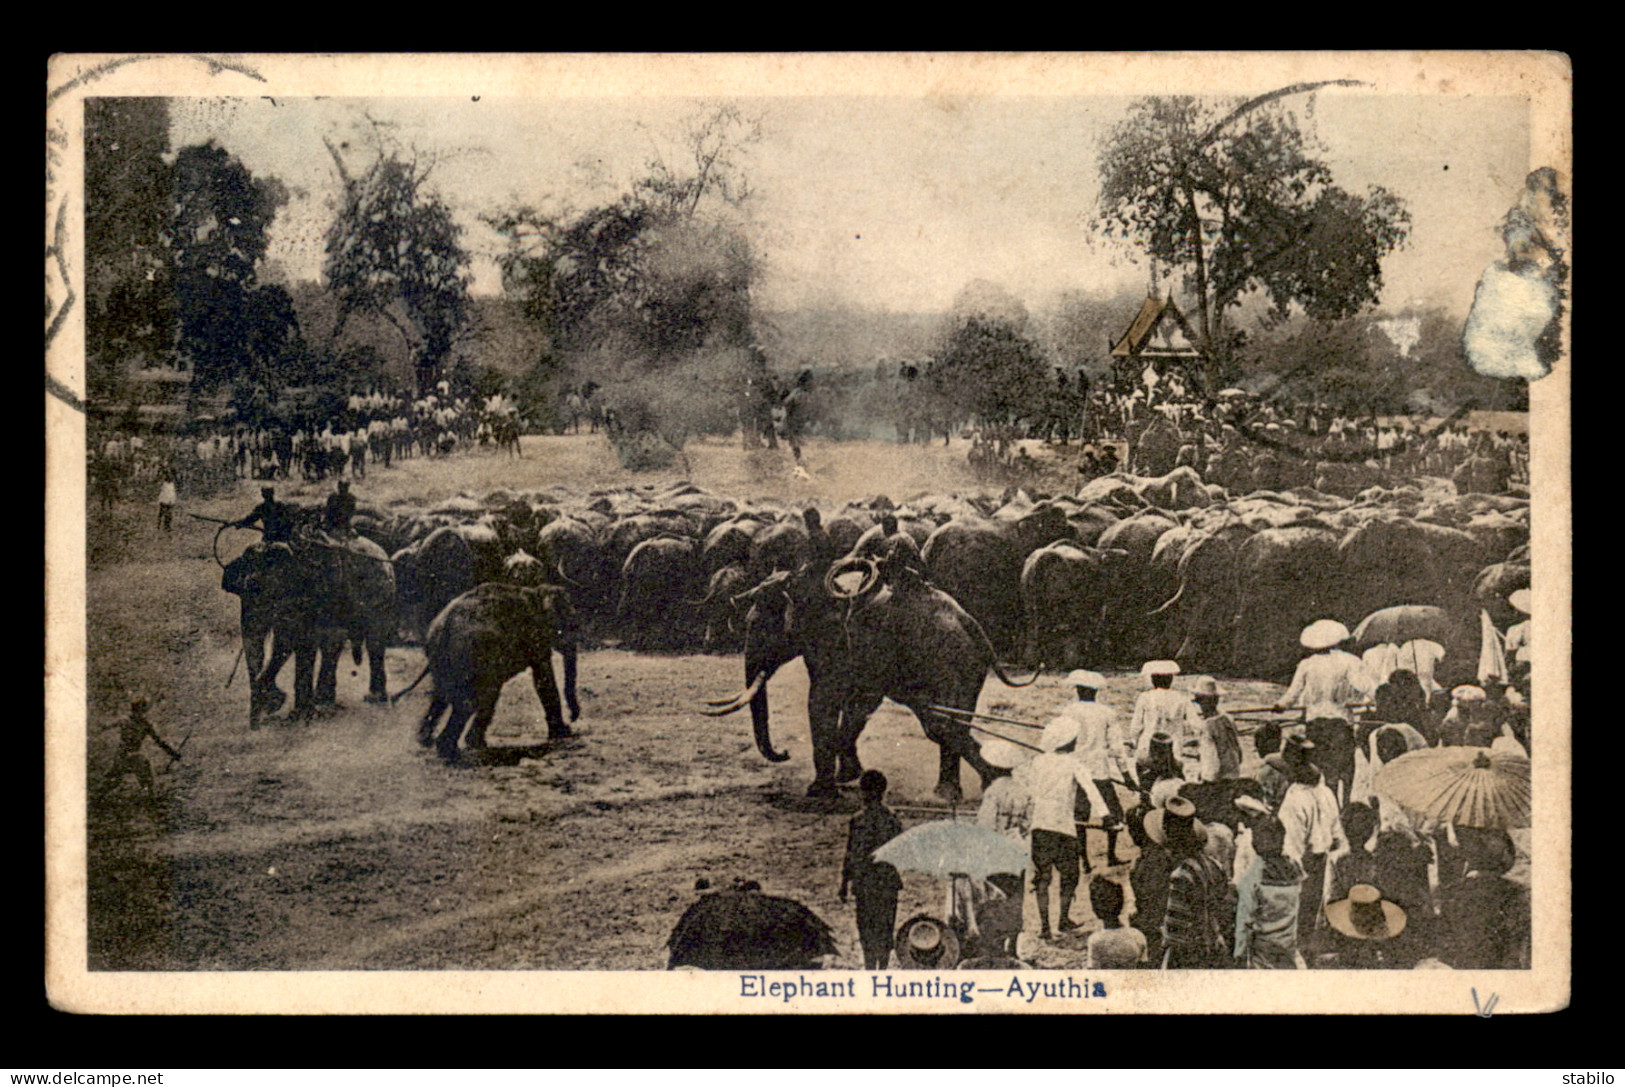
1236 198
394 250
129 303
230 327
990 367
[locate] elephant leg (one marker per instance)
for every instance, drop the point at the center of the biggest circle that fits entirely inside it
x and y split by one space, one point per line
547 692
267 697
437 706
485 708
461 710
377 688
848 768
568 652
327 685
824 716
304 681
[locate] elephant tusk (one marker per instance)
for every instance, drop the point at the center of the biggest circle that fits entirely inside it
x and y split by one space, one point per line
725 706
1170 602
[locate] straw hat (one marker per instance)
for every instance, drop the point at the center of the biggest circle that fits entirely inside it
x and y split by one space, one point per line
1085 678
1058 733
1323 634
1004 754
1159 668
925 943
1165 822
1205 687
1520 600
1366 915
1468 692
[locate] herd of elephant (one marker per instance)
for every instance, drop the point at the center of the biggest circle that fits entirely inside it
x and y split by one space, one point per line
1126 569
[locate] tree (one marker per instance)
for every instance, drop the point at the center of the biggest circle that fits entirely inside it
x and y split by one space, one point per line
991 368
1234 197
394 250
649 295
129 310
230 327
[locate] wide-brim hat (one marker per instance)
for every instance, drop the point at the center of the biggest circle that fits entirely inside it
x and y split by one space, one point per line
926 943
1323 634
1004 754
1468 692
1520 600
1366 915
1082 677
1159 668
1165 820
1058 733
1205 687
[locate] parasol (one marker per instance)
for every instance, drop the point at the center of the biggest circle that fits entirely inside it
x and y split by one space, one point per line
1467 786
1402 623
943 849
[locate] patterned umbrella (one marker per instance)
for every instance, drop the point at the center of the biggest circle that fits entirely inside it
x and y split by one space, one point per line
1402 623
1467 786
943 848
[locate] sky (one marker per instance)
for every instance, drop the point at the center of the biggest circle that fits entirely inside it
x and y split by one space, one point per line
882 203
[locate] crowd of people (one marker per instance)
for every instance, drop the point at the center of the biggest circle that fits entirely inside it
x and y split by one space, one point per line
1296 856
372 428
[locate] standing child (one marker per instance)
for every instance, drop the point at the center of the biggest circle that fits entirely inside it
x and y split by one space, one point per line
875 883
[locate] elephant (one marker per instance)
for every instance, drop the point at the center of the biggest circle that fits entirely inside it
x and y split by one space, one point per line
449 561
782 546
909 642
1286 579
571 546
718 610
729 543
481 640
1064 589
660 581
1129 629
1200 614
978 561
1494 584
310 598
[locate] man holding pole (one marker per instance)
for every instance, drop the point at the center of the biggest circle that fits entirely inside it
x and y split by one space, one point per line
1104 757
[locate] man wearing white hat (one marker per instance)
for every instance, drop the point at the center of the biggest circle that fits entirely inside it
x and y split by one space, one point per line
1163 709
1330 678
1103 754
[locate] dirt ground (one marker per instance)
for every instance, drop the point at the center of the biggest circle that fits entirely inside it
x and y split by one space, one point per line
343 845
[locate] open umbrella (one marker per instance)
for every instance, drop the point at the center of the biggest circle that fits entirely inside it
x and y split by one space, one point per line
1402 623
943 848
1467 786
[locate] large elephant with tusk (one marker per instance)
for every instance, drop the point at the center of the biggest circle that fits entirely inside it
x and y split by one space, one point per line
909 642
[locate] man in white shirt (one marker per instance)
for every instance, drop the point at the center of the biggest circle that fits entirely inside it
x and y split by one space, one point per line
1161 709
1104 756
1314 832
1054 780
1420 655
1331 678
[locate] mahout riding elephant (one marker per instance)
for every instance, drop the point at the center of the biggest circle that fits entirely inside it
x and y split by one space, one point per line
978 561
1199 617
481 640
1287 578
660 581
1064 589
909 642
1130 628
311 597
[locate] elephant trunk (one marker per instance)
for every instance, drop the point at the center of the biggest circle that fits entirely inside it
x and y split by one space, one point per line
760 725
567 650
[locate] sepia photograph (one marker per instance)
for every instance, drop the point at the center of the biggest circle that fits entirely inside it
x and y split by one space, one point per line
836 534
